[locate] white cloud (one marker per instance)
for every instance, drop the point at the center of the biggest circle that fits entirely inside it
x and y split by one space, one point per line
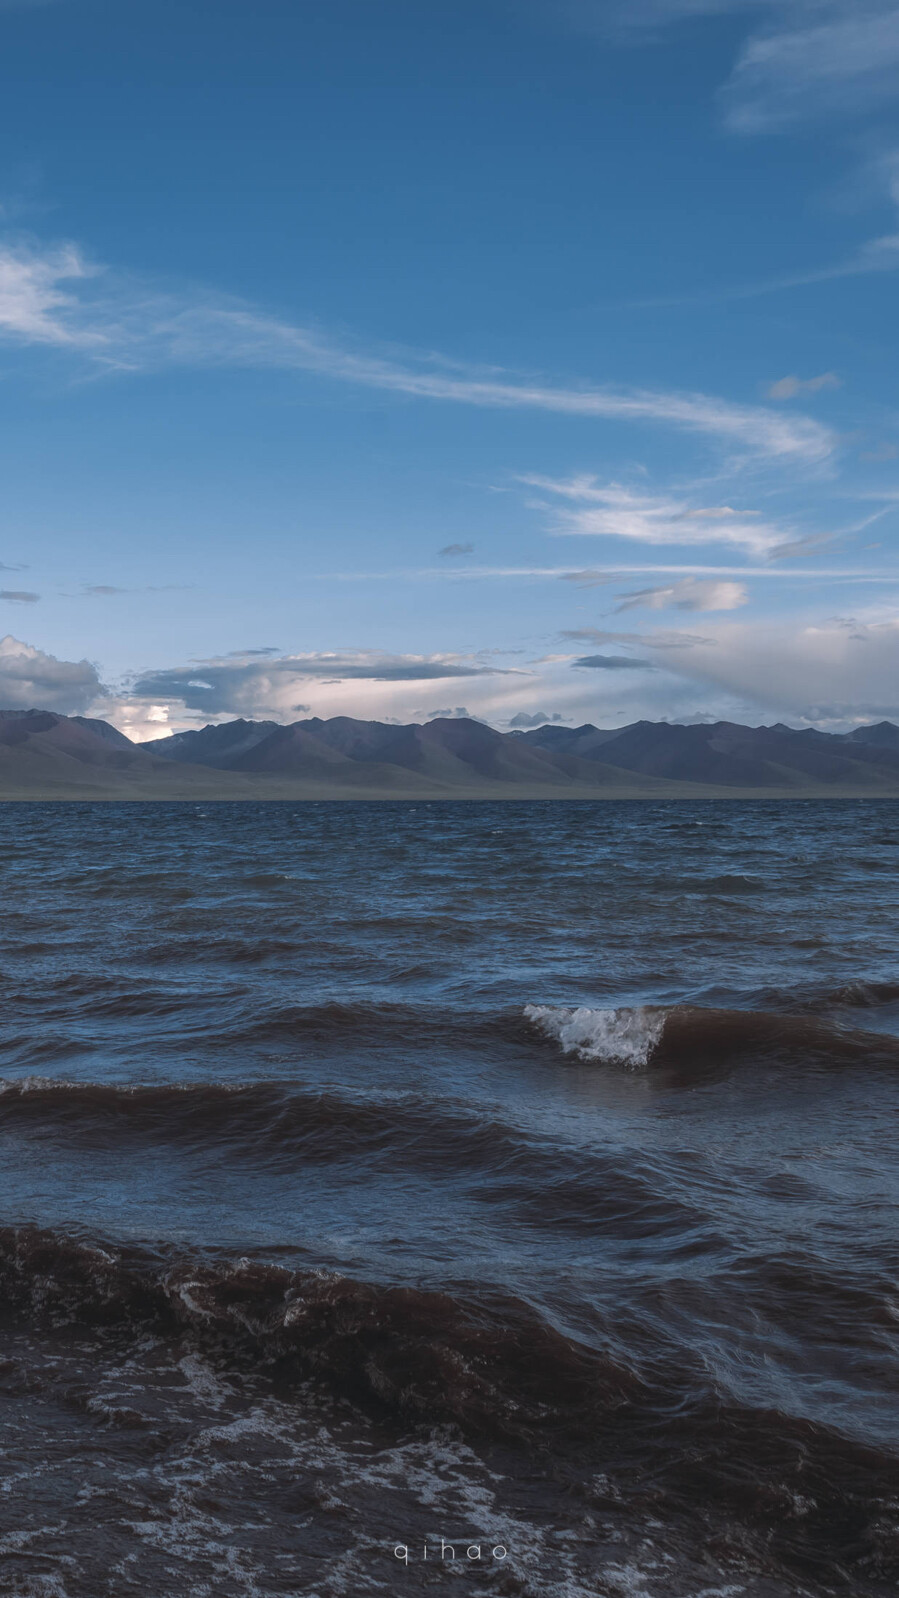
802 59
612 510
34 308
125 325
268 690
837 670
691 593
833 672
33 680
844 59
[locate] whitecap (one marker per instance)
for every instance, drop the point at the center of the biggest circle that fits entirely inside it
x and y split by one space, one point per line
626 1036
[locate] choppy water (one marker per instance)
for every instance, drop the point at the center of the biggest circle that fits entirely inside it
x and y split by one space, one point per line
554 1126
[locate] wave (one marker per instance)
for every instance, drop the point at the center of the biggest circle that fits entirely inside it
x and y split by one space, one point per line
491 1365
687 1035
858 995
627 1037
267 1121
488 1364
277 1129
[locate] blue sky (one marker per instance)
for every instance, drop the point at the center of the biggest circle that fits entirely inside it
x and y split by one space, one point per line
520 357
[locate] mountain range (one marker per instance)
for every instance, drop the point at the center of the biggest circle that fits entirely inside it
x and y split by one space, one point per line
48 756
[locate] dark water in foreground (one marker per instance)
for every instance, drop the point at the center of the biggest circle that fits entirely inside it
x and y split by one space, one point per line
520 1174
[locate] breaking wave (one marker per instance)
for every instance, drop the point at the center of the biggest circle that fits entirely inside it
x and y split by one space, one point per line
489 1365
688 1036
618 1037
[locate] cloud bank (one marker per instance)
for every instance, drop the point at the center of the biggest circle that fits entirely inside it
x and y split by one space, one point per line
31 679
248 685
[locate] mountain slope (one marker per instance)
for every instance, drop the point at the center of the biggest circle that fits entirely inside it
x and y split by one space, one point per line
44 756
725 754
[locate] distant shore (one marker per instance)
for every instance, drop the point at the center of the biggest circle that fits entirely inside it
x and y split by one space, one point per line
264 792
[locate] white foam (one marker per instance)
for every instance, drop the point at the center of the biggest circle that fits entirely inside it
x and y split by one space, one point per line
617 1037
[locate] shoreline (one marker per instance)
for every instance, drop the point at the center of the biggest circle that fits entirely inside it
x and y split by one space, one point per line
276 793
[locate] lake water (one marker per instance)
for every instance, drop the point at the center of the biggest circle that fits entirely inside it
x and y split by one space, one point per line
519 1174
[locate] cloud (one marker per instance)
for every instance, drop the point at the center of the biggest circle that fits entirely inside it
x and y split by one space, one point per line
614 663
34 308
246 685
612 510
109 590
457 549
691 593
879 254
802 548
841 669
52 297
456 713
19 596
589 578
787 388
655 640
538 719
801 60
30 679
593 576
834 672
845 59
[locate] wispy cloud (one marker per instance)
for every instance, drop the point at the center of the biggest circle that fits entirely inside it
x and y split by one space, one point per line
110 591
655 640
787 388
54 298
690 593
592 576
35 307
613 510
614 663
801 59
19 596
873 256
842 58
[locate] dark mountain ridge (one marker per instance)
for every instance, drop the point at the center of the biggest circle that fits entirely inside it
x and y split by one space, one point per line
723 754
46 755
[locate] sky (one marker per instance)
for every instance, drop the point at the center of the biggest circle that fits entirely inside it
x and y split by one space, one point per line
524 359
